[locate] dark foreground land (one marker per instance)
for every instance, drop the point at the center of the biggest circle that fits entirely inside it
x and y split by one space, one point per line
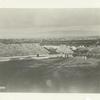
74 75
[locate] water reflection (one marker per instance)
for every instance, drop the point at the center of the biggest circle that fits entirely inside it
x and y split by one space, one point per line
18 77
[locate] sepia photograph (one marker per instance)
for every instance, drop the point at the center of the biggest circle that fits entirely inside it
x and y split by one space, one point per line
50 50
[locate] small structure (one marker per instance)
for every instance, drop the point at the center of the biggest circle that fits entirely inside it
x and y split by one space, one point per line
37 55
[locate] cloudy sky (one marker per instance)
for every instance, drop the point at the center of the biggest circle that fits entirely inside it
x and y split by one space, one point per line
28 23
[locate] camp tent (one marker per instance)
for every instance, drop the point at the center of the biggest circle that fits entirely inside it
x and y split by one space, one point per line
63 49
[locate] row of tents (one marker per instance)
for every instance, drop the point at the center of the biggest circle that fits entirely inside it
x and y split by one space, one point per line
69 51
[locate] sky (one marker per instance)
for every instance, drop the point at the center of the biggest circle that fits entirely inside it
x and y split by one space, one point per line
49 22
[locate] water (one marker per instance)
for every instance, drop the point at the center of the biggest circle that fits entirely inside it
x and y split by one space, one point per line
46 76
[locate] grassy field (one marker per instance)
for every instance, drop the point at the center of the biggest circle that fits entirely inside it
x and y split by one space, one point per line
51 75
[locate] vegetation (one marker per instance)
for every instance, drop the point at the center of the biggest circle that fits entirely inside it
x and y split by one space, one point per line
24 49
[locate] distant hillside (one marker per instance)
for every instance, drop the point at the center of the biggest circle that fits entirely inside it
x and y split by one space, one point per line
39 40
24 49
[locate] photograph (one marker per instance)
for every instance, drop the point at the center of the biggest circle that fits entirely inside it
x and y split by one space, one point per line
50 50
